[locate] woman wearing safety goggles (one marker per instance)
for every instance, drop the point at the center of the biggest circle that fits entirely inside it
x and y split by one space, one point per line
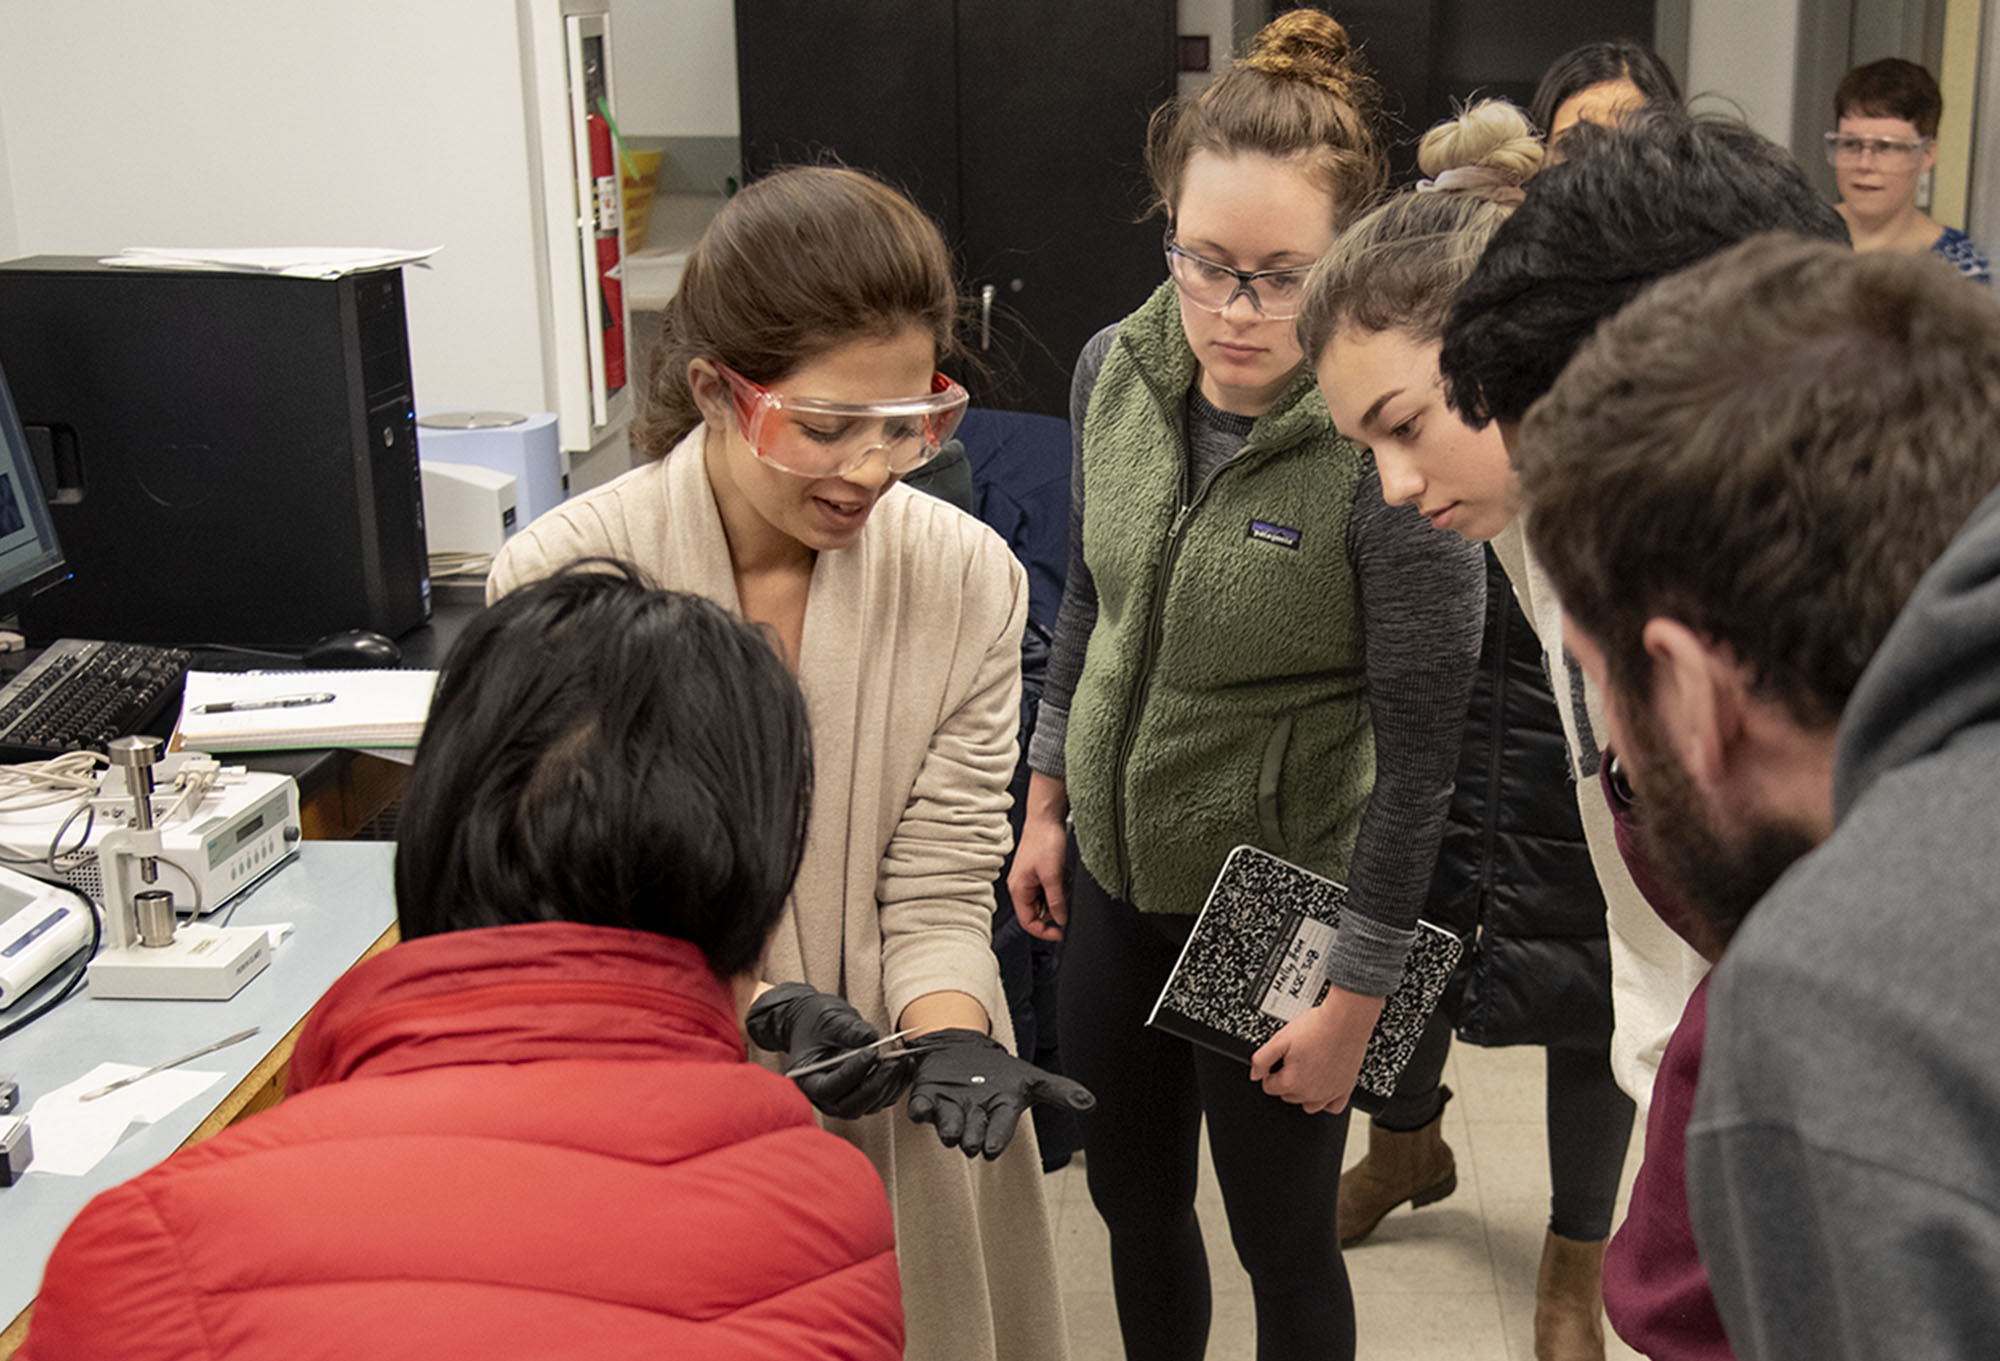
813 437
1883 144
794 385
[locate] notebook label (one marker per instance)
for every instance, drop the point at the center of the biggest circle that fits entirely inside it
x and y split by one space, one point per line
1296 973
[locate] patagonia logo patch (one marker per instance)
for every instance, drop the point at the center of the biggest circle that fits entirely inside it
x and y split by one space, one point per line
1282 535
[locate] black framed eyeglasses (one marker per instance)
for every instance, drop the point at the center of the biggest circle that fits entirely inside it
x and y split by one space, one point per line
1275 293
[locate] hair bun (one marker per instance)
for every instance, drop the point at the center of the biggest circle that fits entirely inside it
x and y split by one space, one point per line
1308 45
1491 135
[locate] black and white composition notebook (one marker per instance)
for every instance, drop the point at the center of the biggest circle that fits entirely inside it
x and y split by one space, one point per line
1258 957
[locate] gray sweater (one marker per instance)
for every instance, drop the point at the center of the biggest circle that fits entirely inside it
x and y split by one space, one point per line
1844 1155
1423 604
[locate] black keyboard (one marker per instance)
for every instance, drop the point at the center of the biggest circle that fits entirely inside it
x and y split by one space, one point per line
79 694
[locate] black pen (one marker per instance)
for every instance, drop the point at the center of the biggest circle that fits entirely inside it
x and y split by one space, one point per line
279 702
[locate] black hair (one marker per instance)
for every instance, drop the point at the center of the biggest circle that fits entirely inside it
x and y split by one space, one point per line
1627 205
1595 63
605 752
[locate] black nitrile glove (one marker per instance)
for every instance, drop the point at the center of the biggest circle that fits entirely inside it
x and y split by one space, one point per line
974 1091
807 1024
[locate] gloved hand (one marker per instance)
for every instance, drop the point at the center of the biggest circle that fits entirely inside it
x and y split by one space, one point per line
974 1091
807 1024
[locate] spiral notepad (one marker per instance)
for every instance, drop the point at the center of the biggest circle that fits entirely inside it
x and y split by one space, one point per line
1258 956
291 710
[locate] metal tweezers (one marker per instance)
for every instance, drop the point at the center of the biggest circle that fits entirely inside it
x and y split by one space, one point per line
835 1060
170 1063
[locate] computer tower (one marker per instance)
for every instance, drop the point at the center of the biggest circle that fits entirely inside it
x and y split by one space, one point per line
229 458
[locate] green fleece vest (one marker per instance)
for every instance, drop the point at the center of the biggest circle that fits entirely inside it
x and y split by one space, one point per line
1223 699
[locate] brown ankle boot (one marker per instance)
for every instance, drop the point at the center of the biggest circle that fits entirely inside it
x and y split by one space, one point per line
1416 1167
1569 1301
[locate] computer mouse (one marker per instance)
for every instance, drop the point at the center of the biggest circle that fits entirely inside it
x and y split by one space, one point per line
351 650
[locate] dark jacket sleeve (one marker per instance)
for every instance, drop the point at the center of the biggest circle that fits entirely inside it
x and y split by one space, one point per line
1514 876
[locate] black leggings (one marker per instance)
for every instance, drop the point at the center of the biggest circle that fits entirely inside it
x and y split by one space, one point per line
1589 1119
1278 1167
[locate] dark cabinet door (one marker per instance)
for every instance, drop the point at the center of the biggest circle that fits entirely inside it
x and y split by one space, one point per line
1018 124
1054 97
868 83
1434 55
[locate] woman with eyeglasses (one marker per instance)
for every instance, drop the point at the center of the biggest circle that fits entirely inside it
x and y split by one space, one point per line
1252 648
1884 142
795 382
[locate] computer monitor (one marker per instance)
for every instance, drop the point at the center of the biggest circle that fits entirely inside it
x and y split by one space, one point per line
30 557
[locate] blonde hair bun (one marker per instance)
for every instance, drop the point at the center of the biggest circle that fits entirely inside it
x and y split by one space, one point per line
1311 46
1490 135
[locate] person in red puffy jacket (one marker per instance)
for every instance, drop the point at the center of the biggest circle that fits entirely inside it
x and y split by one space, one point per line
530 1129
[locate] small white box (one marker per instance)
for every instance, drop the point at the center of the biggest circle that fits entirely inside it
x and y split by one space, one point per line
524 447
203 964
467 509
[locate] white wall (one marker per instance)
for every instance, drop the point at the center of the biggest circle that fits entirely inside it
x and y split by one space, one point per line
673 66
292 122
1747 53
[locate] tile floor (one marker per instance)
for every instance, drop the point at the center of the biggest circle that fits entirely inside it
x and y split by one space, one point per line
1454 1280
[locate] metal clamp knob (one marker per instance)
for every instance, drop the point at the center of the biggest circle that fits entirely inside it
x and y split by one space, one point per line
136 756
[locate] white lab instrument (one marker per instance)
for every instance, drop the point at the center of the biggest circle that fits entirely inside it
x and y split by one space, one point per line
467 509
222 830
145 955
40 926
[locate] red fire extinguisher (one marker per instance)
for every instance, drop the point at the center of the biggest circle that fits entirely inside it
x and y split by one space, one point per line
604 178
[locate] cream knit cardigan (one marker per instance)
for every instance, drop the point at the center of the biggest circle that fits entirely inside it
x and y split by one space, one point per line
910 664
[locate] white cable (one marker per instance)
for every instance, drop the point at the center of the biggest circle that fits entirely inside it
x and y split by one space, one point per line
77 855
38 784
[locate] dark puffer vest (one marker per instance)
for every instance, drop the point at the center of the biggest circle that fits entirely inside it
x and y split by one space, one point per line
1514 876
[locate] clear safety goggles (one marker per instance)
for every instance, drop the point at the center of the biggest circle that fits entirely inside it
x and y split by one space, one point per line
812 437
1277 294
1843 148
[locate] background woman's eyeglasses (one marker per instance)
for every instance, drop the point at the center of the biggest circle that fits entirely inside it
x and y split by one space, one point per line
812 437
1843 148
1275 293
